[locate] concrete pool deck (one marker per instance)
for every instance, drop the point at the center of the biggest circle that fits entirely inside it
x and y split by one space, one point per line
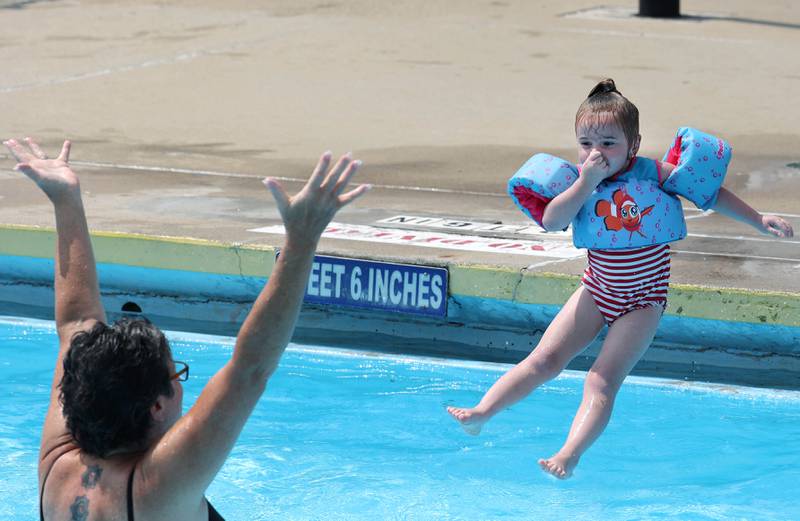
176 111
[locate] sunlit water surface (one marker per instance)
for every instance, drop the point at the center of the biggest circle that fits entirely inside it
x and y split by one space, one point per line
348 435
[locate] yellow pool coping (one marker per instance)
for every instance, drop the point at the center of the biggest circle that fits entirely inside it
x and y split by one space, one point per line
481 281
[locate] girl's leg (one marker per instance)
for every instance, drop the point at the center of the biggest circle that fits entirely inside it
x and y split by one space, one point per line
627 340
570 332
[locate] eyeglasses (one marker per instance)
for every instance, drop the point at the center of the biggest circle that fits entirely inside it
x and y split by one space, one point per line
183 371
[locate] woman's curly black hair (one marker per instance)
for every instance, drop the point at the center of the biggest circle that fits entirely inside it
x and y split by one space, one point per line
112 377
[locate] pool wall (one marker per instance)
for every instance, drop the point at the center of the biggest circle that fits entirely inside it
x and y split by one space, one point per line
493 313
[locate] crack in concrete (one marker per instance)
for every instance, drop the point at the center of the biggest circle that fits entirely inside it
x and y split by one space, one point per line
728 351
236 246
34 283
177 298
521 276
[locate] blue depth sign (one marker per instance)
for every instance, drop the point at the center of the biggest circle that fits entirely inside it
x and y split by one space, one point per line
386 286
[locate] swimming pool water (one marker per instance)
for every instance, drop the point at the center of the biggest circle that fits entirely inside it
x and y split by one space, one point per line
347 435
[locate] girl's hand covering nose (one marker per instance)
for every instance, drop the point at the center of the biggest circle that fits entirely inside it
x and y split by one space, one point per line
595 168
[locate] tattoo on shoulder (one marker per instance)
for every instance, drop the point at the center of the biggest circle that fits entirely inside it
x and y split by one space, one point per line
91 476
79 509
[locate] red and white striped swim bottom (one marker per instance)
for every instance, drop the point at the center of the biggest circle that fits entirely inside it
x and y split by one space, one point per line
623 280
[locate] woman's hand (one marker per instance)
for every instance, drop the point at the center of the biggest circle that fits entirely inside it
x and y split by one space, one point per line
774 225
307 214
53 176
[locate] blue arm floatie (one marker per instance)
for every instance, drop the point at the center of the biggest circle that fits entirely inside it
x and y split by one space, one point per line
701 162
538 181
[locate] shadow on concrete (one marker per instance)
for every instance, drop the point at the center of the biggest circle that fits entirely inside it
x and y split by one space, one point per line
621 13
19 4
753 21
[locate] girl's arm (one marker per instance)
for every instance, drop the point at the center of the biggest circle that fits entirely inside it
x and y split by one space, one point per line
564 207
730 205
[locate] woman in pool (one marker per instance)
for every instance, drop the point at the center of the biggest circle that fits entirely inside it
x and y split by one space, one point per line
114 443
623 209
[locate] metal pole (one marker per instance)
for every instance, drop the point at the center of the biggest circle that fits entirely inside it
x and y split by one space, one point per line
660 8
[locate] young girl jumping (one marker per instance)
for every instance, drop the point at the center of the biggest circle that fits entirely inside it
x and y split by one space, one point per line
623 209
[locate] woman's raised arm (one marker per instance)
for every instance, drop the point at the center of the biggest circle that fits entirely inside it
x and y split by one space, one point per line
77 292
195 448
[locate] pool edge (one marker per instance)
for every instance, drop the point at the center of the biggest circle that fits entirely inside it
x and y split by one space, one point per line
495 313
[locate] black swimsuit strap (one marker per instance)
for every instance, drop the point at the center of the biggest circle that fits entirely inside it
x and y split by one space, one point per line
41 497
130 494
213 515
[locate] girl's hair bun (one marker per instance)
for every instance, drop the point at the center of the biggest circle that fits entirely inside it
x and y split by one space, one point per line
606 86
606 99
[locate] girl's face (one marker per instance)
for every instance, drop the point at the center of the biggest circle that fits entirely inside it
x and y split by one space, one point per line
600 132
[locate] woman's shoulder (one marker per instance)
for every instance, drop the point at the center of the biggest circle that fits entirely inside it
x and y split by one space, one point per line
56 451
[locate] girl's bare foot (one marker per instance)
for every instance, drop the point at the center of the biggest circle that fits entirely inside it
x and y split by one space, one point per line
471 420
559 466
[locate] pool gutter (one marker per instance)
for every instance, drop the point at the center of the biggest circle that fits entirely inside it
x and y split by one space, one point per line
493 313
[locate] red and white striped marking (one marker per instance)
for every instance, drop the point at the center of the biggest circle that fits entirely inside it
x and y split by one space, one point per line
540 248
